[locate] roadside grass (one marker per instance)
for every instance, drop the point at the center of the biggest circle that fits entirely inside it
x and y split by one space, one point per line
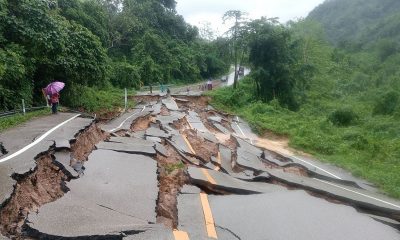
15 120
369 147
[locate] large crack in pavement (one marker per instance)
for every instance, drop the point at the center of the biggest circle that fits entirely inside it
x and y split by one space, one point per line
45 183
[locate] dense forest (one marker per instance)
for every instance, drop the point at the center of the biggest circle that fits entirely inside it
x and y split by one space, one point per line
330 83
97 45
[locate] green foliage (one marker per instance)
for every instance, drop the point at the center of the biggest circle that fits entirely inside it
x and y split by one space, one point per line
387 104
125 75
343 117
278 70
92 99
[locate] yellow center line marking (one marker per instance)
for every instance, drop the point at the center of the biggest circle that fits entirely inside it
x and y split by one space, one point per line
208 217
208 176
217 168
190 125
188 143
180 235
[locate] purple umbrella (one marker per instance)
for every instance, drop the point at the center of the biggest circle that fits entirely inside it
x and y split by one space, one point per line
54 87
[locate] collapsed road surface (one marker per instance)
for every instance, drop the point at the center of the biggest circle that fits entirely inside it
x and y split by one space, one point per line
175 168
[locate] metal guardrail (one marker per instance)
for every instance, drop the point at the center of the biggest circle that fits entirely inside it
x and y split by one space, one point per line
11 113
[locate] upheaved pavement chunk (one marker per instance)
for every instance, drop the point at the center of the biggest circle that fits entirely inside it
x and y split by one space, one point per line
127 148
166 120
64 158
117 193
355 196
221 128
7 184
223 183
156 132
248 160
249 147
191 217
292 215
170 104
124 121
195 121
215 119
208 136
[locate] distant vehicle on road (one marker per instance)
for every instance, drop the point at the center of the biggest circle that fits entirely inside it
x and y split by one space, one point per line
224 78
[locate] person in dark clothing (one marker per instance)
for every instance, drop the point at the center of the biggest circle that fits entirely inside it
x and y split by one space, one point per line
54 100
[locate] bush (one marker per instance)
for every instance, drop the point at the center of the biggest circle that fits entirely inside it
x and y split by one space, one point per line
343 117
387 104
92 99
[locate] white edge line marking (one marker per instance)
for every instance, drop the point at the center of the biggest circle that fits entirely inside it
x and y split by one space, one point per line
377 199
316 167
112 130
251 141
37 140
292 156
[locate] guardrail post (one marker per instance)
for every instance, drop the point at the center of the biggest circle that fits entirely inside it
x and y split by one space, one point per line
23 106
126 99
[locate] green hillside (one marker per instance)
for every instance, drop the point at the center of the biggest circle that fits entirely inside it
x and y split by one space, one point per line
358 22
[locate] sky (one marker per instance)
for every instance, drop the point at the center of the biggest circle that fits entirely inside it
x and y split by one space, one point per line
196 12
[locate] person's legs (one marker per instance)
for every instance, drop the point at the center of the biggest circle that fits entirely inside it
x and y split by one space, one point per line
54 108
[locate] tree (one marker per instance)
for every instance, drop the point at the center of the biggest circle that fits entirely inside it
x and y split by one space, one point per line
237 35
277 64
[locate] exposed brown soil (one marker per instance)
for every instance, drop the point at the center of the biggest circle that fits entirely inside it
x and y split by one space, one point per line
85 142
194 103
145 98
204 149
164 111
105 116
181 125
296 170
171 177
141 123
45 184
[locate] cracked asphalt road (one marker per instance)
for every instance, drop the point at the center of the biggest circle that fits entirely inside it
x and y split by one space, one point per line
175 168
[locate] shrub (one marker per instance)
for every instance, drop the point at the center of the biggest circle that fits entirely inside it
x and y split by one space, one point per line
343 117
387 104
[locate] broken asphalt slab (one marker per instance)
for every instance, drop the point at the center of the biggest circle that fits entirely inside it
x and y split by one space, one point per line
355 196
223 183
170 104
292 215
191 217
124 121
156 132
117 193
16 138
195 122
221 128
166 120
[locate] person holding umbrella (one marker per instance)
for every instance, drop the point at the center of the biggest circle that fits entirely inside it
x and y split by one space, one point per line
53 94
